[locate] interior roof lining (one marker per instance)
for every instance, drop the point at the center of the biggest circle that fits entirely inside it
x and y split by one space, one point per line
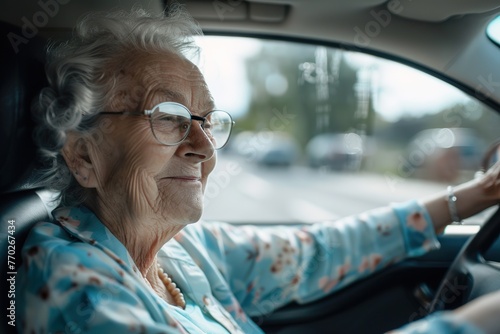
414 10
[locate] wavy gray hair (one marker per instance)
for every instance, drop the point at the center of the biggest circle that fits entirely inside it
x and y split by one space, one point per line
81 76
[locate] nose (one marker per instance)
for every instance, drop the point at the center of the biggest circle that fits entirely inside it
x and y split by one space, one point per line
197 145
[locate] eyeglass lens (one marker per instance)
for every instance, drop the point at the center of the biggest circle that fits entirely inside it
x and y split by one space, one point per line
171 123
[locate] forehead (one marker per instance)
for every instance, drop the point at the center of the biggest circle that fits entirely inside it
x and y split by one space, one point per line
169 67
169 77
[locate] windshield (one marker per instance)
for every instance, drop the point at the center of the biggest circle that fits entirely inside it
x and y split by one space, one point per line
323 133
493 30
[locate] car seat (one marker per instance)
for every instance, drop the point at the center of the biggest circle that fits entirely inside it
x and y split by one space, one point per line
21 205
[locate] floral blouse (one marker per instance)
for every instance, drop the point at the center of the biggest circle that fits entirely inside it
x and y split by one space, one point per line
77 277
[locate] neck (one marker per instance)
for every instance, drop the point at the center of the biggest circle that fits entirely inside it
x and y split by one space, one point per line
142 235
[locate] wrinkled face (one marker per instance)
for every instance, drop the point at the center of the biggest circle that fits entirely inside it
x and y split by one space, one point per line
131 167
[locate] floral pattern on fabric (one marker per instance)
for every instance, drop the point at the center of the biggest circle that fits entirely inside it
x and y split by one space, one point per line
77 277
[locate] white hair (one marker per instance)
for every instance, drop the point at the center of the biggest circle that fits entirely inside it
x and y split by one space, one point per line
81 78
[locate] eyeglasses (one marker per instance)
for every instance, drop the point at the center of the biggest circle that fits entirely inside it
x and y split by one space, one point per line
171 123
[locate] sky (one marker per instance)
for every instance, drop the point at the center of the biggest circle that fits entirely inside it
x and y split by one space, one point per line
399 89
222 62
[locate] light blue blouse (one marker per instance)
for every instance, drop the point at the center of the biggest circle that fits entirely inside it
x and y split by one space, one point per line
77 277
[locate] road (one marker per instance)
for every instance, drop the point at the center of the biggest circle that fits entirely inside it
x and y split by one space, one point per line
242 192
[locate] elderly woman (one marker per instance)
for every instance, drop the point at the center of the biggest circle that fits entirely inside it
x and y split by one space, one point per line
130 130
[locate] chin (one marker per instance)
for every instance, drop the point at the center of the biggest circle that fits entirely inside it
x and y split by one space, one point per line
189 218
182 207
196 214
191 212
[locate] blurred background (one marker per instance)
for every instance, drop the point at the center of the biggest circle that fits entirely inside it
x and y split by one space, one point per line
322 132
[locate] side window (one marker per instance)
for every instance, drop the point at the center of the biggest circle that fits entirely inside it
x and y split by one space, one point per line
323 133
493 30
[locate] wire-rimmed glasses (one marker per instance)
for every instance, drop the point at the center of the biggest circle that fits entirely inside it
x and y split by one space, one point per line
172 121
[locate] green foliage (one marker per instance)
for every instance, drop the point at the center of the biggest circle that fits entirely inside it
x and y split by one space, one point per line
335 113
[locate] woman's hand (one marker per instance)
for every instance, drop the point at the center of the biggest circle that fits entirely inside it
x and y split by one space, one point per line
472 197
490 181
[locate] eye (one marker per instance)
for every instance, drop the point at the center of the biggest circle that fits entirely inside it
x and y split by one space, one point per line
168 122
208 125
184 126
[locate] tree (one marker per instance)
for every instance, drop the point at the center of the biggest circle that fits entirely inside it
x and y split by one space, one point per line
320 90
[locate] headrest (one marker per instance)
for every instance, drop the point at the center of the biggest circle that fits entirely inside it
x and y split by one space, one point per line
22 76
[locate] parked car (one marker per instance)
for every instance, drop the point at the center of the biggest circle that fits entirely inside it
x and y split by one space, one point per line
442 154
337 151
266 148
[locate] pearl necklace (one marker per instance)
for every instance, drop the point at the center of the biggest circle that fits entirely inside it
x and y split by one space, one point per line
172 289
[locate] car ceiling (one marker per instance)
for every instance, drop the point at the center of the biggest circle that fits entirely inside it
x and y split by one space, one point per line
446 37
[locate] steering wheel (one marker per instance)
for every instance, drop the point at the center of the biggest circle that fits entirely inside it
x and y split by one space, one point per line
470 275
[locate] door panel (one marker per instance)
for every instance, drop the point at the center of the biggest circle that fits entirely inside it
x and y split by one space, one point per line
383 301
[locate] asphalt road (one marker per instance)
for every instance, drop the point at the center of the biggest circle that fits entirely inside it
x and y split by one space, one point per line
239 191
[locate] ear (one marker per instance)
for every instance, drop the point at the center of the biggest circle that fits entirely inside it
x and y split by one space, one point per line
75 153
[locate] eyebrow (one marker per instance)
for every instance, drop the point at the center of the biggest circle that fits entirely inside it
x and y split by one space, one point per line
170 95
174 96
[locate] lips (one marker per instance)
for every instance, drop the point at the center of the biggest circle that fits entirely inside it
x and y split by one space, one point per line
186 178
181 174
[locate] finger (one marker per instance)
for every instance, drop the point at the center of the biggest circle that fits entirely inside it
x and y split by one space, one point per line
491 176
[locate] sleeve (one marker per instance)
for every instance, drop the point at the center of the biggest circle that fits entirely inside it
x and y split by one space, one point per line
267 267
439 322
63 287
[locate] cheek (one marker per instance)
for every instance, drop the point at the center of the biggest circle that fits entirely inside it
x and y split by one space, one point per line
143 161
147 158
135 154
140 148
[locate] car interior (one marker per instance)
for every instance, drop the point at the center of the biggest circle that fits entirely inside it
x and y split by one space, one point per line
444 39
